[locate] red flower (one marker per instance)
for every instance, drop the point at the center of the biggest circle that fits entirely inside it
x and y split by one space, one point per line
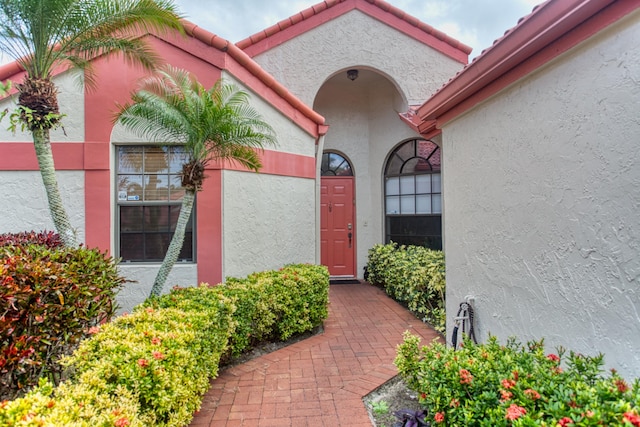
155 341
532 394
158 355
439 417
143 363
506 395
508 384
621 385
121 422
632 418
514 412
465 377
565 421
94 330
553 357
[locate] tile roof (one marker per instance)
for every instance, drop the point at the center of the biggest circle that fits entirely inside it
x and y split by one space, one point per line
379 9
552 28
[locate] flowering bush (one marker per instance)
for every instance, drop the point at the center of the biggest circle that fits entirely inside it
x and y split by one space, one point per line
48 239
496 385
413 275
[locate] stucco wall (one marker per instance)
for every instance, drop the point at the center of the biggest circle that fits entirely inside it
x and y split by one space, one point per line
268 221
541 193
290 137
141 278
24 206
354 39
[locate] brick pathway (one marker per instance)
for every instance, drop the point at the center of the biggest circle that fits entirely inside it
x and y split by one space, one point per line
319 381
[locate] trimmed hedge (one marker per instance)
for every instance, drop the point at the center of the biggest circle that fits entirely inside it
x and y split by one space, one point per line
275 305
413 275
151 368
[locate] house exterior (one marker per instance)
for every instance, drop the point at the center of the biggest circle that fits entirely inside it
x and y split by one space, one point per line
522 165
541 181
321 195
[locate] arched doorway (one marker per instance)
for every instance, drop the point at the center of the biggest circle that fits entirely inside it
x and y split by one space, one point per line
337 216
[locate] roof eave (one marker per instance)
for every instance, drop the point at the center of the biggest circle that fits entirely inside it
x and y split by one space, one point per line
546 24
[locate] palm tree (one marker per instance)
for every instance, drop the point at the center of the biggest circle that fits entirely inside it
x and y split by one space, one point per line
42 35
173 107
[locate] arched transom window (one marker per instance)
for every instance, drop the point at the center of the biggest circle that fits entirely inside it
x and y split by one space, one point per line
413 195
333 164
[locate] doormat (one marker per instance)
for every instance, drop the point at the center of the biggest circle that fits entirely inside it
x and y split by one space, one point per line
344 281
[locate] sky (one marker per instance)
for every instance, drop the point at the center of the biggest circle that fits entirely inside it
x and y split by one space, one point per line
476 23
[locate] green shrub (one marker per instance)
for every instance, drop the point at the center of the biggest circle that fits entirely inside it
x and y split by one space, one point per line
163 356
71 405
151 368
504 385
49 299
275 305
413 275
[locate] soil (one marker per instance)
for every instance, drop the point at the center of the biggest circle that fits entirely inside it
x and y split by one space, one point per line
392 396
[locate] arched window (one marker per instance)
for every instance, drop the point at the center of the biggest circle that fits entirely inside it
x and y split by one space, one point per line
413 195
333 164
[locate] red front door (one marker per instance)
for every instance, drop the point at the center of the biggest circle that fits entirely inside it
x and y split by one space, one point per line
337 230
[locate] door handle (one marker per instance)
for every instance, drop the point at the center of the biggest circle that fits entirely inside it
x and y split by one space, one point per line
350 236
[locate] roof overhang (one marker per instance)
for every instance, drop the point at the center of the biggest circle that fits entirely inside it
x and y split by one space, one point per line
550 30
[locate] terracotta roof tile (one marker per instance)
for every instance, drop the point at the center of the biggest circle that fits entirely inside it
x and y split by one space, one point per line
354 4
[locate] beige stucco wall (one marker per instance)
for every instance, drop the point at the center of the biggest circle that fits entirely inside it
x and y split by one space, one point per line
541 199
355 40
24 206
268 221
140 280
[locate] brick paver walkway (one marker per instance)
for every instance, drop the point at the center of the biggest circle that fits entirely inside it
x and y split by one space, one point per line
319 381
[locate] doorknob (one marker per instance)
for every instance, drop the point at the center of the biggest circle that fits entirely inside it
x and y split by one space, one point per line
350 236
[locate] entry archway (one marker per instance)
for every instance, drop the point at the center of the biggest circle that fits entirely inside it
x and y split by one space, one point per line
337 215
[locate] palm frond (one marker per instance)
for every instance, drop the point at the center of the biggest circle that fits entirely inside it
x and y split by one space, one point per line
219 123
43 33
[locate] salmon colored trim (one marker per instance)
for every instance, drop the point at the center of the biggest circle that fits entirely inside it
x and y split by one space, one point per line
209 229
327 10
21 156
276 163
97 208
550 30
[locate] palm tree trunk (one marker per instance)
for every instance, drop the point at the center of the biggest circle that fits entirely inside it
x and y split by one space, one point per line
59 215
176 243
